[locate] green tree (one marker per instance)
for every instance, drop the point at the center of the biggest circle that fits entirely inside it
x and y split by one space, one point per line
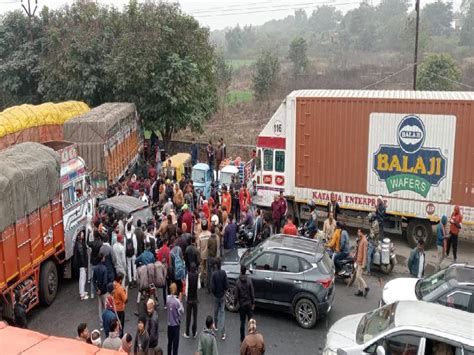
438 72
266 76
467 29
390 18
234 40
297 55
164 63
358 29
19 59
224 79
438 17
324 19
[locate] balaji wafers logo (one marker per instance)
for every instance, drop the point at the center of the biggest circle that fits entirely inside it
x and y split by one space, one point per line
410 166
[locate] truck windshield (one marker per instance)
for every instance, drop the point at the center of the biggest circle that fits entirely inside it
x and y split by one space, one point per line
199 176
226 178
375 323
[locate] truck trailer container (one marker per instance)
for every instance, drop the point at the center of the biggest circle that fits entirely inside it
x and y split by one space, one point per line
413 148
109 139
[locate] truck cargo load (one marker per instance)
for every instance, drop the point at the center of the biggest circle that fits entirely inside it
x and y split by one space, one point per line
31 225
29 179
37 123
412 148
108 139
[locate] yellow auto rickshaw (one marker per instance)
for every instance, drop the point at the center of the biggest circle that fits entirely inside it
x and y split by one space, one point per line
177 166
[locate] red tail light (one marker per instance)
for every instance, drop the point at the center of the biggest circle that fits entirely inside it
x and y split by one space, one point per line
325 283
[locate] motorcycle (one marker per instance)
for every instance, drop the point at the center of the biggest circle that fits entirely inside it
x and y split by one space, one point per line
384 256
303 231
244 236
346 271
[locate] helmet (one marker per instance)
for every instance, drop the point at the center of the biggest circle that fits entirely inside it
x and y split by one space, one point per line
371 216
312 205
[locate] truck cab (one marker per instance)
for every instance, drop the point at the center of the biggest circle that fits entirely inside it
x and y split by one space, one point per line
202 179
226 173
75 192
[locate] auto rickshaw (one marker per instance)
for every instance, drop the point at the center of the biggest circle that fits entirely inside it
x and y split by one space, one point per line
177 166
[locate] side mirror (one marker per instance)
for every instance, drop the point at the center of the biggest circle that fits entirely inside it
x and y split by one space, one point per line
380 350
250 268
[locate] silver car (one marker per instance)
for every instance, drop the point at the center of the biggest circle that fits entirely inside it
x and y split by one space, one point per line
405 327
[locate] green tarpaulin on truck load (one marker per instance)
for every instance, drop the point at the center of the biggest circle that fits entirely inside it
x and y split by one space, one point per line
29 179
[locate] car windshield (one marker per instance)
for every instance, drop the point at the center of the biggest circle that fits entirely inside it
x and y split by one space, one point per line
249 255
226 178
376 322
431 283
199 176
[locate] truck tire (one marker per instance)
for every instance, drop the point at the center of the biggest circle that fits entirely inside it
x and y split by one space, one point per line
419 229
48 283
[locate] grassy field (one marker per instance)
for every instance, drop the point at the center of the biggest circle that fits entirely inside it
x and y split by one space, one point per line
238 96
238 63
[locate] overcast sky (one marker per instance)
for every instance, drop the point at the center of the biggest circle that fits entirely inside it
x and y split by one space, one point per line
220 14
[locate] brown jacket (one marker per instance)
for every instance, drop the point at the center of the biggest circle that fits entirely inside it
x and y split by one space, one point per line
178 198
253 344
361 257
120 297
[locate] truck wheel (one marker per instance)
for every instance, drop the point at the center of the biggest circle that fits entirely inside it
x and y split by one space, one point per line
48 283
419 229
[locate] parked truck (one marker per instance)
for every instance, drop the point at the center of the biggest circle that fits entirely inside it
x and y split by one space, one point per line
109 139
412 148
43 207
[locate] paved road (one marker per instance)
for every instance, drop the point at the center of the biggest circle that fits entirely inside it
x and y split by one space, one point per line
282 334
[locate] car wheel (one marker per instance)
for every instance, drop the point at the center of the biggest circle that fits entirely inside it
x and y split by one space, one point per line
305 313
230 295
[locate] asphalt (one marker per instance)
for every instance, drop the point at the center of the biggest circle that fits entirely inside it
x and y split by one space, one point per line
281 333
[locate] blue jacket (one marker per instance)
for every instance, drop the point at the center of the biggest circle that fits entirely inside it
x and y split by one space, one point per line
344 242
107 317
439 231
414 261
145 258
100 278
230 234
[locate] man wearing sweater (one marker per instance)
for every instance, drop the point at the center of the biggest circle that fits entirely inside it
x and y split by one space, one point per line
361 261
219 285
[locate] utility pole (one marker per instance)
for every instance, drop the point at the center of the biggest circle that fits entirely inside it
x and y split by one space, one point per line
30 17
415 67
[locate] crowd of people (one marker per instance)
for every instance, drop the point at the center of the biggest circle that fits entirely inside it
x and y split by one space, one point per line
175 253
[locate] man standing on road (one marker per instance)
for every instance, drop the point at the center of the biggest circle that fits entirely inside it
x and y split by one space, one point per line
207 340
120 258
95 246
230 234
253 343
276 214
191 255
213 248
152 327
245 298
175 311
120 299
283 205
99 279
202 247
219 285
373 241
416 261
454 229
142 338
361 261
333 206
441 240
192 301
81 262
380 215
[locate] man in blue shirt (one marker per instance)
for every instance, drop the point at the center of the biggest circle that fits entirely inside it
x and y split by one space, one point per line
441 237
230 234
344 246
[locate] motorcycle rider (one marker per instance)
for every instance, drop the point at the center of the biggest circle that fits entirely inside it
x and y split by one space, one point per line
373 240
344 246
312 224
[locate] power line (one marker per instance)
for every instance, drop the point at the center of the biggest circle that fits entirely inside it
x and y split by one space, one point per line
409 66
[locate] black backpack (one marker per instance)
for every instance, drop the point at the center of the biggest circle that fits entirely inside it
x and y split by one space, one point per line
129 249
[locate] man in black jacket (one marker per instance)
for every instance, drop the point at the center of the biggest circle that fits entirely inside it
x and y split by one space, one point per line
152 327
192 255
95 246
192 300
140 238
99 279
245 298
81 263
219 285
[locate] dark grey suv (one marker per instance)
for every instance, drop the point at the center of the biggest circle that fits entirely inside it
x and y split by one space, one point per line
291 274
